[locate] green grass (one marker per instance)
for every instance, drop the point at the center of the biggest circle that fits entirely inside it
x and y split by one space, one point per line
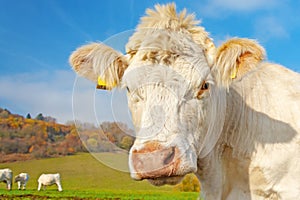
106 194
85 177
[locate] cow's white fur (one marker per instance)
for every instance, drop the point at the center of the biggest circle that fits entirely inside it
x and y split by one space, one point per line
22 180
6 176
241 137
49 179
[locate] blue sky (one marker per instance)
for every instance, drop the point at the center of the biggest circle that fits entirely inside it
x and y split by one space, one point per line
37 37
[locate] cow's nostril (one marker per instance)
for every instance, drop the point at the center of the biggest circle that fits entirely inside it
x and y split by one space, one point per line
155 161
170 156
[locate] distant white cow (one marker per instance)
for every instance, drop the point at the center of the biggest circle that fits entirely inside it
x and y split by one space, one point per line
6 176
22 180
49 179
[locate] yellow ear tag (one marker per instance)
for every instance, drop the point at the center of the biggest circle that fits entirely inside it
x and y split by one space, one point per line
102 85
233 73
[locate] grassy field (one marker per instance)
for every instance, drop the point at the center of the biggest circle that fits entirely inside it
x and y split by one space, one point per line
100 195
84 177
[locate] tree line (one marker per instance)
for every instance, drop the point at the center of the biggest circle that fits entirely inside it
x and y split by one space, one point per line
23 138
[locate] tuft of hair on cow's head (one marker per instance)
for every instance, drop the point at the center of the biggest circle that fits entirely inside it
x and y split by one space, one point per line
165 17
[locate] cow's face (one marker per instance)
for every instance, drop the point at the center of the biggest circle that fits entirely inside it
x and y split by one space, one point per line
175 81
168 96
169 118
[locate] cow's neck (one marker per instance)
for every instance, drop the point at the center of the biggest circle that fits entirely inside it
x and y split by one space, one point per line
227 163
242 124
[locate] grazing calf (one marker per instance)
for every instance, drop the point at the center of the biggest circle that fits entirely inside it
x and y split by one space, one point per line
6 177
49 179
22 180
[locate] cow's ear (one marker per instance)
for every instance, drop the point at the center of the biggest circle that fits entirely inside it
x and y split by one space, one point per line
99 63
235 58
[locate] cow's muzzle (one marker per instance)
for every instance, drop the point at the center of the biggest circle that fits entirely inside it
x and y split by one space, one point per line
154 161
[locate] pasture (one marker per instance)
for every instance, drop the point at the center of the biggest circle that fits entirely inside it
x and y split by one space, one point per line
84 177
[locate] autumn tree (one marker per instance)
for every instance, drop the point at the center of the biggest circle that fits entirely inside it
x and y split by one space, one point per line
190 183
39 117
49 119
4 113
39 137
126 143
28 116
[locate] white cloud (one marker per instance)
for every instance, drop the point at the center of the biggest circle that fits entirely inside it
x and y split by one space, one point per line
219 7
270 19
41 92
60 94
267 28
238 5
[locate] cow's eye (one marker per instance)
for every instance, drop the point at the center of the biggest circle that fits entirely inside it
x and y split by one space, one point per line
127 88
204 87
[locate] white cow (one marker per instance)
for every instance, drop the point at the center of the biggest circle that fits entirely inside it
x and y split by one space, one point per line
222 113
6 176
49 179
22 180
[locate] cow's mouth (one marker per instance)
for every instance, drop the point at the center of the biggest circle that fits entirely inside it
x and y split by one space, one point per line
159 165
173 180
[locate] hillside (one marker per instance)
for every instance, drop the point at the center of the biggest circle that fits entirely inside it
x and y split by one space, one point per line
24 138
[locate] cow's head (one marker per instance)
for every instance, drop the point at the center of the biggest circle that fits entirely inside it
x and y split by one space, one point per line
176 81
17 178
